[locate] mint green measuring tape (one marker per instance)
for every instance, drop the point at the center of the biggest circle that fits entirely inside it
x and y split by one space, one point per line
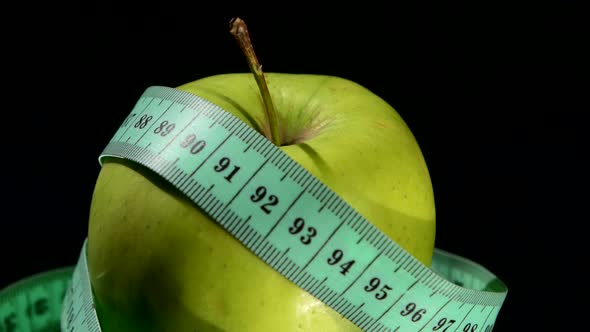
285 216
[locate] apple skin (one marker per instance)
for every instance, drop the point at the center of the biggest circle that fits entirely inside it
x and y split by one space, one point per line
158 263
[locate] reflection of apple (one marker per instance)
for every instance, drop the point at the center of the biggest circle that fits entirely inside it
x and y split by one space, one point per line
157 262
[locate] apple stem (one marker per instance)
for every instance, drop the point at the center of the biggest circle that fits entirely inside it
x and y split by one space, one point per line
239 30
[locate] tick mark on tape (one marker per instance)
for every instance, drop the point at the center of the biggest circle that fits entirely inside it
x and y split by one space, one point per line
412 285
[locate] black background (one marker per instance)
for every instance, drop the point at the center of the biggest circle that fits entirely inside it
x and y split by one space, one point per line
493 94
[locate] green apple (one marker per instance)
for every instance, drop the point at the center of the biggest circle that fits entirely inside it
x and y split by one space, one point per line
155 257
158 263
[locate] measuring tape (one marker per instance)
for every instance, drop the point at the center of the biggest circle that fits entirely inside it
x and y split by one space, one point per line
34 303
52 301
388 289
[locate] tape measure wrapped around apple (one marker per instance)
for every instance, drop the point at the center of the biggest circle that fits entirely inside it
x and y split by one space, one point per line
158 262
328 228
